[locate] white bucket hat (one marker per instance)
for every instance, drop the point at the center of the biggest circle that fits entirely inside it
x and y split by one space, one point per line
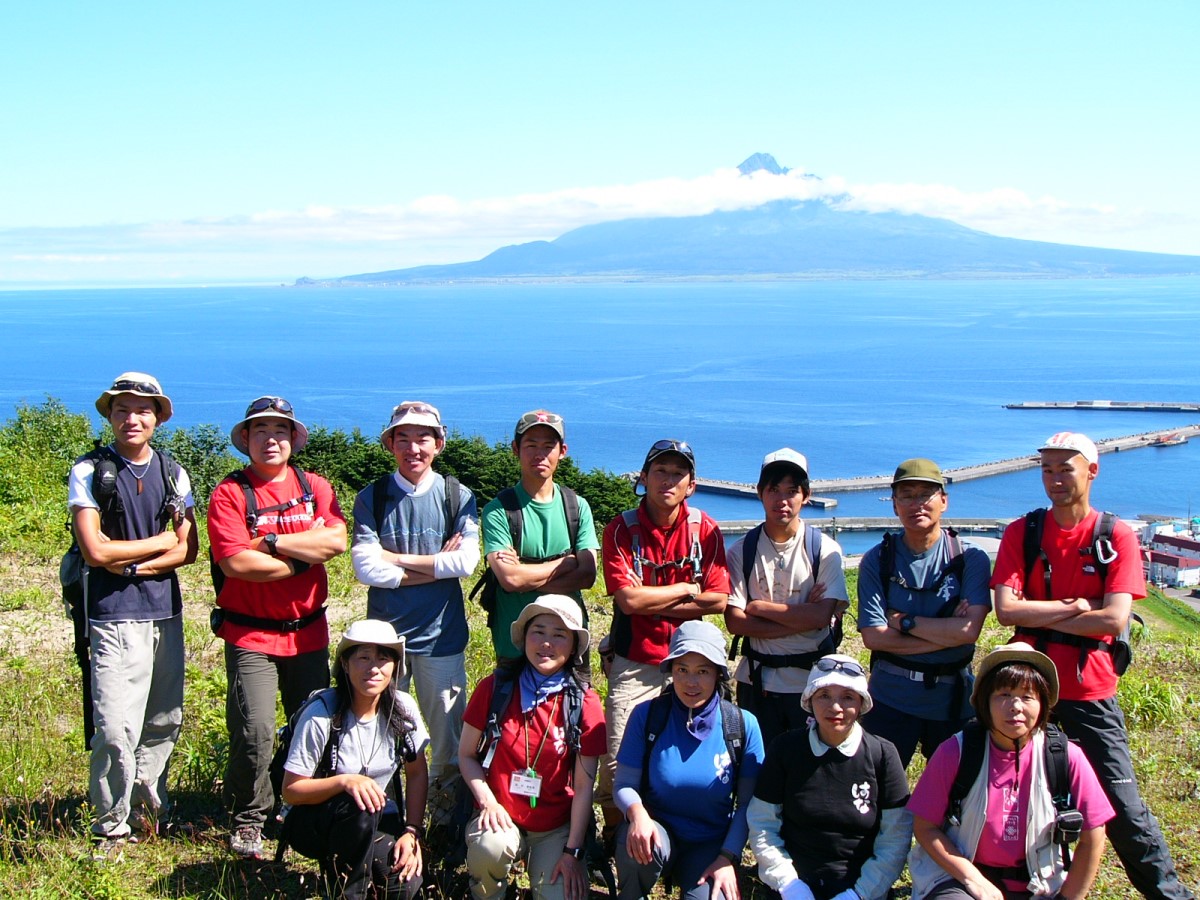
568 612
377 632
142 385
268 408
839 670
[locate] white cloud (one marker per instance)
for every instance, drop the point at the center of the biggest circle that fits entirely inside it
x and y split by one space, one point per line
326 241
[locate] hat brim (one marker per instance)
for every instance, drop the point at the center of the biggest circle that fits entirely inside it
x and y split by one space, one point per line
1025 654
165 408
398 646
299 441
516 631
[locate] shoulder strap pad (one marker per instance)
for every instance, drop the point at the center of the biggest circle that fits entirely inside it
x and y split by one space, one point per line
971 750
656 721
1035 524
251 504
453 505
887 564
573 713
512 509
1103 548
749 549
812 549
379 495
630 518
695 553
570 502
1056 767
502 690
733 725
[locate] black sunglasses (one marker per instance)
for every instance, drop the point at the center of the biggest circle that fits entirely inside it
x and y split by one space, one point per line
137 387
264 403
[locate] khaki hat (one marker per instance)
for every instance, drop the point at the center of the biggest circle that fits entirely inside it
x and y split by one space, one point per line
268 408
1017 651
536 417
562 606
373 631
1071 440
140 384
414 412
919 470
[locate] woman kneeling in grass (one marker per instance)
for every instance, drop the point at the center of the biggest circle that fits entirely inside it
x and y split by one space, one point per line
348 744
828 819
531 740
1000 843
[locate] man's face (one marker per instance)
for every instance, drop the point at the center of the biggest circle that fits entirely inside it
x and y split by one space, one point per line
1067 477
668 482
133 419
919 504
414 447
269 441
783 501
539 451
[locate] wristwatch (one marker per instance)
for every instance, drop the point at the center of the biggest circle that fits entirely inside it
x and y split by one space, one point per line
271 540
907 623
130 571
576 852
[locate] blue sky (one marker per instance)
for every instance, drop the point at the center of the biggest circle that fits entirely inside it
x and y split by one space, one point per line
266 141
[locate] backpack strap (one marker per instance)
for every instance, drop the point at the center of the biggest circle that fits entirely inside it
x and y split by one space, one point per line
1035 525
379 496
733 728
453 505
573 713
570 502
695 554
972 749
502 691
516 518
630 518
243 482
657 716
1059 778
887 565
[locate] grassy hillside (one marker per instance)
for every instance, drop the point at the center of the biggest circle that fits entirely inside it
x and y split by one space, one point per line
43 765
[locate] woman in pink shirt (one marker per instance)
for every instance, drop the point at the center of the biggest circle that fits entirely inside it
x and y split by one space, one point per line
1004 838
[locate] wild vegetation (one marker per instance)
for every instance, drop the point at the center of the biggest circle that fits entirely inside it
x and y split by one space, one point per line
44 817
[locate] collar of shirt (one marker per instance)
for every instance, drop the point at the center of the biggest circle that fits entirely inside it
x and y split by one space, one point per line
415 489
847 748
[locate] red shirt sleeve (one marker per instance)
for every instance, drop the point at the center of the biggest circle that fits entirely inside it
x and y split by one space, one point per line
227 531
617 556
712 550
1010 559
481 700
594 741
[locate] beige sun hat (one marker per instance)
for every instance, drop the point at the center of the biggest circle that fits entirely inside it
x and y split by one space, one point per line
140 384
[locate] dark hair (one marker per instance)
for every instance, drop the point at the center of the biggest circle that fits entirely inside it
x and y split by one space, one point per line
775 472
513 666
1011 675
398 724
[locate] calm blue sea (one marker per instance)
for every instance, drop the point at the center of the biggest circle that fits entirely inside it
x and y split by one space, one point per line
856 374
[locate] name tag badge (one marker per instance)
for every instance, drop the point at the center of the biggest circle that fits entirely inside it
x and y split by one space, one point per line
526 784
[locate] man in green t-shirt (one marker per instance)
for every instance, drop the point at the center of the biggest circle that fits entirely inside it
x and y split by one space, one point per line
548 560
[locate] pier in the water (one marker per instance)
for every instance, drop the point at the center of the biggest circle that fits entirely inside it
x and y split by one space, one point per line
1120 405
1161 438
876 523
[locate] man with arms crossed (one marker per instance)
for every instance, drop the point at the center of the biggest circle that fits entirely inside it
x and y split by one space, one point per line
785 612
1069 611
663 564
546 562
271 611
922 599
131 510
411 559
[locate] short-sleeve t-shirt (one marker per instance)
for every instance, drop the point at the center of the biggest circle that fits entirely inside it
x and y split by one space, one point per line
545 533
289 598
1002 842
364 747
921 570
642 638
1073 574
782 574
831 803
549 753
690 785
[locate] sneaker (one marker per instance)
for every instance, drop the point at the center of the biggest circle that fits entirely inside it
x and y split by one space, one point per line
246 842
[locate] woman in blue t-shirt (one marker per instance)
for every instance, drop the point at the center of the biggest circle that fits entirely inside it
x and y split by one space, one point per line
678 783
828 818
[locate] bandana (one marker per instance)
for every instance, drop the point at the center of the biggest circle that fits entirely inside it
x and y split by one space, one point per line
537 688
703 721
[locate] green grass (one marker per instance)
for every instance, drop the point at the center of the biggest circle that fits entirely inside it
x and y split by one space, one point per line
43 765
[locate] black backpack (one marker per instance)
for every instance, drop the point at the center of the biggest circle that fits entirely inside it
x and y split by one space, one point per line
487 586
379 495
406 752
1068 820
502 690
1103 552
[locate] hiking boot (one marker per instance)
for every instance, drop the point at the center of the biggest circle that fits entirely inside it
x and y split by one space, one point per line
110 849
246 842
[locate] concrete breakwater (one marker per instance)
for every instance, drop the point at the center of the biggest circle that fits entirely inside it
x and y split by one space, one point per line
875 523
960 473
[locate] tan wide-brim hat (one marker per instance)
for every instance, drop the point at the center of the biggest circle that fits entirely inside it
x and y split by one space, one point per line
377 632
141 385
269 408
1017 651
562 606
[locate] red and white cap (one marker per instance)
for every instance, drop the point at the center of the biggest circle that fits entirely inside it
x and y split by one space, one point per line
1071 440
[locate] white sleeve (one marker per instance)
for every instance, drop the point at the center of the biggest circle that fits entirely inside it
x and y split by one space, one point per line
737 585
413 713
775 866
370 567
833 570
79 486
183 484
460 563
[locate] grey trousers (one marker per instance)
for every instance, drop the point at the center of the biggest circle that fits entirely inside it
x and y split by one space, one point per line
680 861
254 680
441 693
1099 728
137 700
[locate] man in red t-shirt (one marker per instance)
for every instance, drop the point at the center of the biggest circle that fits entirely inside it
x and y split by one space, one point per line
272 604
663 564
1074 622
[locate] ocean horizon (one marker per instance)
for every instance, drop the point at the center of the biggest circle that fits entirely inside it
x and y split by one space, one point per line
858 375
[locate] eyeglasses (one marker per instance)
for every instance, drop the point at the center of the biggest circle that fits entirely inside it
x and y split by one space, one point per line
418 407
840 665
922 499
137 387
262 404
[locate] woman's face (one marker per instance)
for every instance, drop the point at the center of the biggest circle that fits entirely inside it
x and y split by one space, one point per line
548 643
1015 712
694 679
370 669
836 708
